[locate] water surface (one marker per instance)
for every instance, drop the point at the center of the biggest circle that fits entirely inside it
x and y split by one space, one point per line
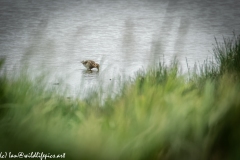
123 36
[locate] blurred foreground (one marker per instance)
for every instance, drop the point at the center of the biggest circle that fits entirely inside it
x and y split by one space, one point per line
158 115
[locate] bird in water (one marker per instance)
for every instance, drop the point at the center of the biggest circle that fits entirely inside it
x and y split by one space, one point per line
89 64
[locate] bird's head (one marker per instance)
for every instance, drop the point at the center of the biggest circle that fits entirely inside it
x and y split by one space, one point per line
97 66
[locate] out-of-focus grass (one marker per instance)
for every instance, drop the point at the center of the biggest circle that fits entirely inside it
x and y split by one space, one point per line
159 115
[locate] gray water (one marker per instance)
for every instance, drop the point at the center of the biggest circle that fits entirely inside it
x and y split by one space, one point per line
123 36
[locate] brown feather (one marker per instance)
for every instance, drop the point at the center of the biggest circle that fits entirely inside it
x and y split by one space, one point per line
89 64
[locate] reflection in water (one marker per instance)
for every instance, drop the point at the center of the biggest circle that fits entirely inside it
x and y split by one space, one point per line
124 37
90 73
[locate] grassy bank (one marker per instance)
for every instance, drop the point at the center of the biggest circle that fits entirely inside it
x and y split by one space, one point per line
158 116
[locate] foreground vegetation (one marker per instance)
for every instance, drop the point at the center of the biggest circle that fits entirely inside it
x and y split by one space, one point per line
159 115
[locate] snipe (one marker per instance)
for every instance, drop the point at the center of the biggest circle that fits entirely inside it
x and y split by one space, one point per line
89 64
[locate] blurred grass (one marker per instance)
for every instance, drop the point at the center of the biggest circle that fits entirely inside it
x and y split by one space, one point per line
159 115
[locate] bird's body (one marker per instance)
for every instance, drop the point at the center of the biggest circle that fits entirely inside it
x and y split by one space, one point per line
89 64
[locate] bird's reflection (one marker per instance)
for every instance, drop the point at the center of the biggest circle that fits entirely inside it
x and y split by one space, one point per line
92 74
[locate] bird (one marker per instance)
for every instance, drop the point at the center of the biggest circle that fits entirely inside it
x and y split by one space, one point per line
89 64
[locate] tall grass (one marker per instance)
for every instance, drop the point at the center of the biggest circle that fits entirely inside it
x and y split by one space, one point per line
227 55
159 115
